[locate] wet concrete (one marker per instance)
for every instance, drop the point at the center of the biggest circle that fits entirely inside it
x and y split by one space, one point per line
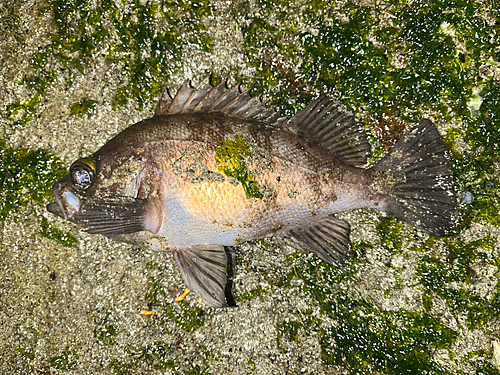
78 310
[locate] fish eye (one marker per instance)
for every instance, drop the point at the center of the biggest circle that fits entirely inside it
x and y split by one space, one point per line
82 173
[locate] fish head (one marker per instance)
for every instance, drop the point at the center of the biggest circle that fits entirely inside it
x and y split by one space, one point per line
109 193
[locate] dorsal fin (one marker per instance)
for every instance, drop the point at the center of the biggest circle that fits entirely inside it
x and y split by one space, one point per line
330 124
218 99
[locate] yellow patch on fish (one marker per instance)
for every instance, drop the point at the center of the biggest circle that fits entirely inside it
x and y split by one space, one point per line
213 200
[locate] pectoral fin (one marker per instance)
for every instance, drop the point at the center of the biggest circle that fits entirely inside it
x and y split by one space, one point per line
118 216
328 239
204 270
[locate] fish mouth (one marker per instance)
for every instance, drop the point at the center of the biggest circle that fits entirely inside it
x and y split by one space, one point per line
55 208
67 203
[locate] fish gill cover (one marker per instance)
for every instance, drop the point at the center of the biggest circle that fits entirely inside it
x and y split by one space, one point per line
393 61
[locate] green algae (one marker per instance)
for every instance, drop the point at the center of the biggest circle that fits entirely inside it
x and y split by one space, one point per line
363 338
451 279
230 159
156 355
10 21
171 317
146 41
401 342
30 355
252 364
394 68
252 294
443 83
170 314
402 68
476 170
136 30
84 107
26 176
68 360
389 231
49 231
148 50
484 367
414 63
106 330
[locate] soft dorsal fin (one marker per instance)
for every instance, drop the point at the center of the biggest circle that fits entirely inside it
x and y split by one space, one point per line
329 123
328 239
218 99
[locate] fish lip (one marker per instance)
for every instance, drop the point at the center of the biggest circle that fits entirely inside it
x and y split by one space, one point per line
55 209
67 203
55 191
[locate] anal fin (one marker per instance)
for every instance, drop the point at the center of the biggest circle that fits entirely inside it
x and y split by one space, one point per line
204 270
328 239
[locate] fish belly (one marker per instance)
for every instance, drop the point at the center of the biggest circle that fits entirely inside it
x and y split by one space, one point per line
202 212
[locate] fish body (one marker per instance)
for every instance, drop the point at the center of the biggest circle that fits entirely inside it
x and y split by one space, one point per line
296 182
215 167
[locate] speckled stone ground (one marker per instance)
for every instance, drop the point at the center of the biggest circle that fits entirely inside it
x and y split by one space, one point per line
78 310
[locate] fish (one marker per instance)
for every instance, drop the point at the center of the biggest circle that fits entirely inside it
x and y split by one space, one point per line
215 167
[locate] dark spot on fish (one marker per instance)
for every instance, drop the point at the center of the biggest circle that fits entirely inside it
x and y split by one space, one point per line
53 276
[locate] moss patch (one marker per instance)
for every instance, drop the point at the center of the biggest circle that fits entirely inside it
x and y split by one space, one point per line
230 160
146 40
171 315
49 231
84 107
26 176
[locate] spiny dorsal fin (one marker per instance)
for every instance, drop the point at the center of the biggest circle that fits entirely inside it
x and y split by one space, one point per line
330 124
328 239
218 99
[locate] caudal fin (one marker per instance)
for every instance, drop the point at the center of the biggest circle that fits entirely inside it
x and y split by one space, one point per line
417 176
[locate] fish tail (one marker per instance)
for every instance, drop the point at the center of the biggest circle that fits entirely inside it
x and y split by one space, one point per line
418 180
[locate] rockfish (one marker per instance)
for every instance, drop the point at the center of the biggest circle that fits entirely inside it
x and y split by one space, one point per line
215 167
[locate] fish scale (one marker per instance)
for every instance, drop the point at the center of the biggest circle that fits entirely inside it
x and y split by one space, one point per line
223 208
